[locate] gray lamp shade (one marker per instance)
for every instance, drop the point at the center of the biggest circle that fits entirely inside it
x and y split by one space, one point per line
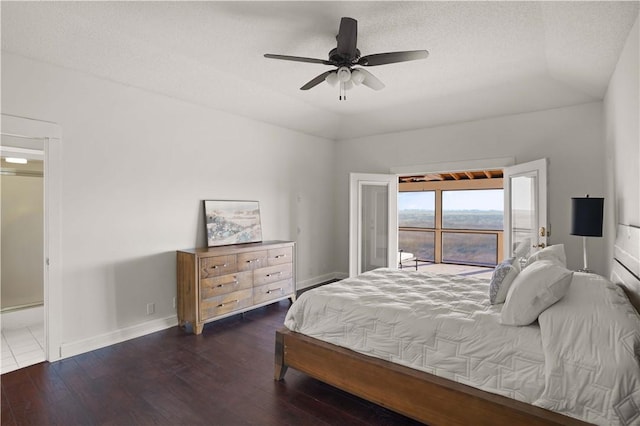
586 216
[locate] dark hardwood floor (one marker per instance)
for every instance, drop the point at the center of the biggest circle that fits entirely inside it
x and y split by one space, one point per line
222 377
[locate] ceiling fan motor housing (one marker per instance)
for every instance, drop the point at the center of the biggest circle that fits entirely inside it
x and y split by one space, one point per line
341 60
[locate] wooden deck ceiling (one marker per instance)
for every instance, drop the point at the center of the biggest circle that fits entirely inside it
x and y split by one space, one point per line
445 176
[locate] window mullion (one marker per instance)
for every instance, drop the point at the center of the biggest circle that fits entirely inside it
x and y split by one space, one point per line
438 230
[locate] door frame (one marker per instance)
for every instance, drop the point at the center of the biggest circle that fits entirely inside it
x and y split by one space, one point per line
50 133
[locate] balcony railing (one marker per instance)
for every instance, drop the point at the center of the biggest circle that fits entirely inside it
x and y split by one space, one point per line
460 246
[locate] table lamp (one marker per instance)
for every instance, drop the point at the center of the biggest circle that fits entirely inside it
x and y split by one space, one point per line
586 221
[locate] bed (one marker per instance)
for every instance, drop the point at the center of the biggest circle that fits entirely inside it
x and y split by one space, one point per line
488 382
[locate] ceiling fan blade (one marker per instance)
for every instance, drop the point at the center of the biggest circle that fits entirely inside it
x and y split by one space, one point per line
392 57
347 38
319 79
298 59
371 81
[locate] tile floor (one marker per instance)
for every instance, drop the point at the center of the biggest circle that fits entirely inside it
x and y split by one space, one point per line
22 347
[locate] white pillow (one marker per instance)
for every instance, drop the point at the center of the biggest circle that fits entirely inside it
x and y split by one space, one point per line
503 276
523 248
537 287
554 252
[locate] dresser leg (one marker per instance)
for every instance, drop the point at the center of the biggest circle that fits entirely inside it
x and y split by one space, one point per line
197 328
292 298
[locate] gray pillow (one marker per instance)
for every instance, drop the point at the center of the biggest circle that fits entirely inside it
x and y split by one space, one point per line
503 276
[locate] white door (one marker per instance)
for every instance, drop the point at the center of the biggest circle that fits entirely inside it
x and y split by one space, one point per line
373 222
525 208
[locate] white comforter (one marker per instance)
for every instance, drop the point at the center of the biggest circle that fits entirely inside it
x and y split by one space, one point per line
444 325
440 324
591 340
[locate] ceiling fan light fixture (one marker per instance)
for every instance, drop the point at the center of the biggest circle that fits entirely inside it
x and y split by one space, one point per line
357 77
344 74
347 85
332 78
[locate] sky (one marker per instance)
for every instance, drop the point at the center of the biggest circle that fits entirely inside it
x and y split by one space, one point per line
488 199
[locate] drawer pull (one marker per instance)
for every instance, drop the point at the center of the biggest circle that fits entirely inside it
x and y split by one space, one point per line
232 283
229 303
275 274
253 260
274 290
224 265
280 256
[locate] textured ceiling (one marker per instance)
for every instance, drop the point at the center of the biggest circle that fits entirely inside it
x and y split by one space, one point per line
486 58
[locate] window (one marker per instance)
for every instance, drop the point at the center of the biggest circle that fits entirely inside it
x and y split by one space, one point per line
473 209
416 220
471 249
417 209
453 221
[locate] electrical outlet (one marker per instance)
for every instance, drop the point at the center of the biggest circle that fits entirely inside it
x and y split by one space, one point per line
151 308
174 303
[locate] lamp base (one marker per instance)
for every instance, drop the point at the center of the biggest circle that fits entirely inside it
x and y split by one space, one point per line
584 256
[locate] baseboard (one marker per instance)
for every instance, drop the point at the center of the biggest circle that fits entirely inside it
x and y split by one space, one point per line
301 285
117 336
340 275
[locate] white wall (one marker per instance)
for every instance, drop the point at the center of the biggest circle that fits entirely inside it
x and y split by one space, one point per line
572 139
136 166
622 117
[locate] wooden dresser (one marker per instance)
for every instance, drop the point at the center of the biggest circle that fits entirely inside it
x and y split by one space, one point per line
217 282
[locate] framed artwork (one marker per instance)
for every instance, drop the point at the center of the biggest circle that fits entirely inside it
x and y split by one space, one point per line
232 222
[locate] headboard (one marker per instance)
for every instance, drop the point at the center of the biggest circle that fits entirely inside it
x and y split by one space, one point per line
626 263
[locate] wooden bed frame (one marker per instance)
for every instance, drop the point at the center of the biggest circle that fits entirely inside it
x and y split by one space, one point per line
424 397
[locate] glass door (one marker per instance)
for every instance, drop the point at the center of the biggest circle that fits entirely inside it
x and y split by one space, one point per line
525 208
373 222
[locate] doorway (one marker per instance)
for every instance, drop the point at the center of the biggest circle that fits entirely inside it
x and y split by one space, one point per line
22 251
30 247
524 193
454 217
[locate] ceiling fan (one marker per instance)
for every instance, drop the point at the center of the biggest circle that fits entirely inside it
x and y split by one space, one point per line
346 56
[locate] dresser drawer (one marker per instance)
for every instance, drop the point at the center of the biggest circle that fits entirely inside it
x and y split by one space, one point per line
280 255
226 303
272 291
272 274
217 265
252 260
216 286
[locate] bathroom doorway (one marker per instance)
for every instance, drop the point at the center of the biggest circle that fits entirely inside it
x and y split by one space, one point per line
30 249
22 251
